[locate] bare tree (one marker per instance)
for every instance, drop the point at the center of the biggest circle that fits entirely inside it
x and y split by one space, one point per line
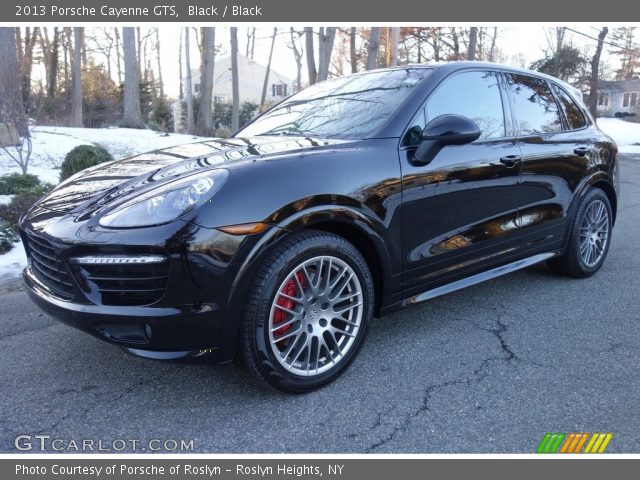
14 131
265 84
473 42
76 78
297 55
251 42
595 72
118 55
372 49
204 124
50 54
311 58
132 112
160 81
235 87
189 84
353 56
181 90
326 37
25 61
492 49
394 39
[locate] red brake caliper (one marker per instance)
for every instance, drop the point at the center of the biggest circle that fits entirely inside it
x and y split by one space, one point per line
279 316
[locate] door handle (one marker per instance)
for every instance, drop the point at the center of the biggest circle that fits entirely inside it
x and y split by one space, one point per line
581 151
510 160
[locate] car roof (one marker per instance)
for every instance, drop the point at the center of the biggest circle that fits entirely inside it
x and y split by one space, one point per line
453 66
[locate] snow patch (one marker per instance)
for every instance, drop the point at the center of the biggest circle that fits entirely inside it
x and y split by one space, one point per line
51 145
13 262
625 134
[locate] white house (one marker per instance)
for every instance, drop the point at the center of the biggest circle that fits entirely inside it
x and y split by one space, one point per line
619 97
251 76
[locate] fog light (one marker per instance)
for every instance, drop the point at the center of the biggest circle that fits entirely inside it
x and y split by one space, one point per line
119 259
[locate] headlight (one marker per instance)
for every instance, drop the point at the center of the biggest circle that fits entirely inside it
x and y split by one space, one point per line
167 202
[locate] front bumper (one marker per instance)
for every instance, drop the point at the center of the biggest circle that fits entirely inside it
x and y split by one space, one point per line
187 328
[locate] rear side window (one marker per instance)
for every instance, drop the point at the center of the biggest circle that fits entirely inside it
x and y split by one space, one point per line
534 106
475 95
573 114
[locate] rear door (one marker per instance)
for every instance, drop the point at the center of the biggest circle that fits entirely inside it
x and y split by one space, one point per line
554 139
459 212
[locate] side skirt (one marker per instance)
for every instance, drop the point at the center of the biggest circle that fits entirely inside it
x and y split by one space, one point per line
469 281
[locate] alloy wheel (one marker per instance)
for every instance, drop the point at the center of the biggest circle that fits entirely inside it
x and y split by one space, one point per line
315 316
594 233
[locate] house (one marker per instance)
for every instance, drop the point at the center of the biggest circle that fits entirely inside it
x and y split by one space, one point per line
251 76
619 97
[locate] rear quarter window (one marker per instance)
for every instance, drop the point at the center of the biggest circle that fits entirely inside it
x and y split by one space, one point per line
572 112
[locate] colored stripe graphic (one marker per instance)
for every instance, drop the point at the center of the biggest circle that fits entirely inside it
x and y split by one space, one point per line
550 442
555 442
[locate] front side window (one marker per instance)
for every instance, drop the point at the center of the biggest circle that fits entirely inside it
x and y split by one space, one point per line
348 107
575 117
475 95
534 106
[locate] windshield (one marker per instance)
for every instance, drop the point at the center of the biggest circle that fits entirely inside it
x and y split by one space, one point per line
346 107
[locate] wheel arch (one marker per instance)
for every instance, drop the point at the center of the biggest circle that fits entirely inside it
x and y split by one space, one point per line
345 222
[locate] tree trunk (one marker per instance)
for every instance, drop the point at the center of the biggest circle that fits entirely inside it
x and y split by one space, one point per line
297 55
76 78
189 84
160 82
11 110
132 112
595 73
118 56
394 40
326 39
372 49
473 42
311 58
265 84
235 105
204 125
352 50
492 50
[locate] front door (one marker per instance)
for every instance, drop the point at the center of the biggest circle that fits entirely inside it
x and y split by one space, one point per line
460 212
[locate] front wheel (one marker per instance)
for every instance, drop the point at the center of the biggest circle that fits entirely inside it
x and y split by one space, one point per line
589 237
307 312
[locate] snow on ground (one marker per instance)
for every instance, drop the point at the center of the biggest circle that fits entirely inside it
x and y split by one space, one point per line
625 134
51 144
13 262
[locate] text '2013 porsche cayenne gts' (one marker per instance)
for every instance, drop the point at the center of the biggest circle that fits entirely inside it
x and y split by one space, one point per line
353 198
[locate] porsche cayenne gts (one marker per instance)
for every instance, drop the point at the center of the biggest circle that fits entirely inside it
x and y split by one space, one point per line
356 197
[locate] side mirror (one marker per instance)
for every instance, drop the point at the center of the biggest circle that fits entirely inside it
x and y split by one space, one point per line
443 131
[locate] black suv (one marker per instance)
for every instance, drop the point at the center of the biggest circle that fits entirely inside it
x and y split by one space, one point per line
355 197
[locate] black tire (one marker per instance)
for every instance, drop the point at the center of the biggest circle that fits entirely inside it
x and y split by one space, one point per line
257 342
572 263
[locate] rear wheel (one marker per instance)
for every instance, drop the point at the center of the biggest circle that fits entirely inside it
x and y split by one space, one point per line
589 237
307 312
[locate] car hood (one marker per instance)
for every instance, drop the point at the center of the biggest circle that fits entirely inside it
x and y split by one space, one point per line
100 185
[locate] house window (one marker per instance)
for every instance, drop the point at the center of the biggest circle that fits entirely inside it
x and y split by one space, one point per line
603 100
630 99
279 90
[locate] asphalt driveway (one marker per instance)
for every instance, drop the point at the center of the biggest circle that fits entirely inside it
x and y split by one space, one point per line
488 369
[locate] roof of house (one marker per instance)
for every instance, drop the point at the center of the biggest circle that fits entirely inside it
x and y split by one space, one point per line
632 85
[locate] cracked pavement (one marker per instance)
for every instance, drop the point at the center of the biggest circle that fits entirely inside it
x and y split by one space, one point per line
487 369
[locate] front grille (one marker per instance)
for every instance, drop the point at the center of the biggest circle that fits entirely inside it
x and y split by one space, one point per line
49 269
124 284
